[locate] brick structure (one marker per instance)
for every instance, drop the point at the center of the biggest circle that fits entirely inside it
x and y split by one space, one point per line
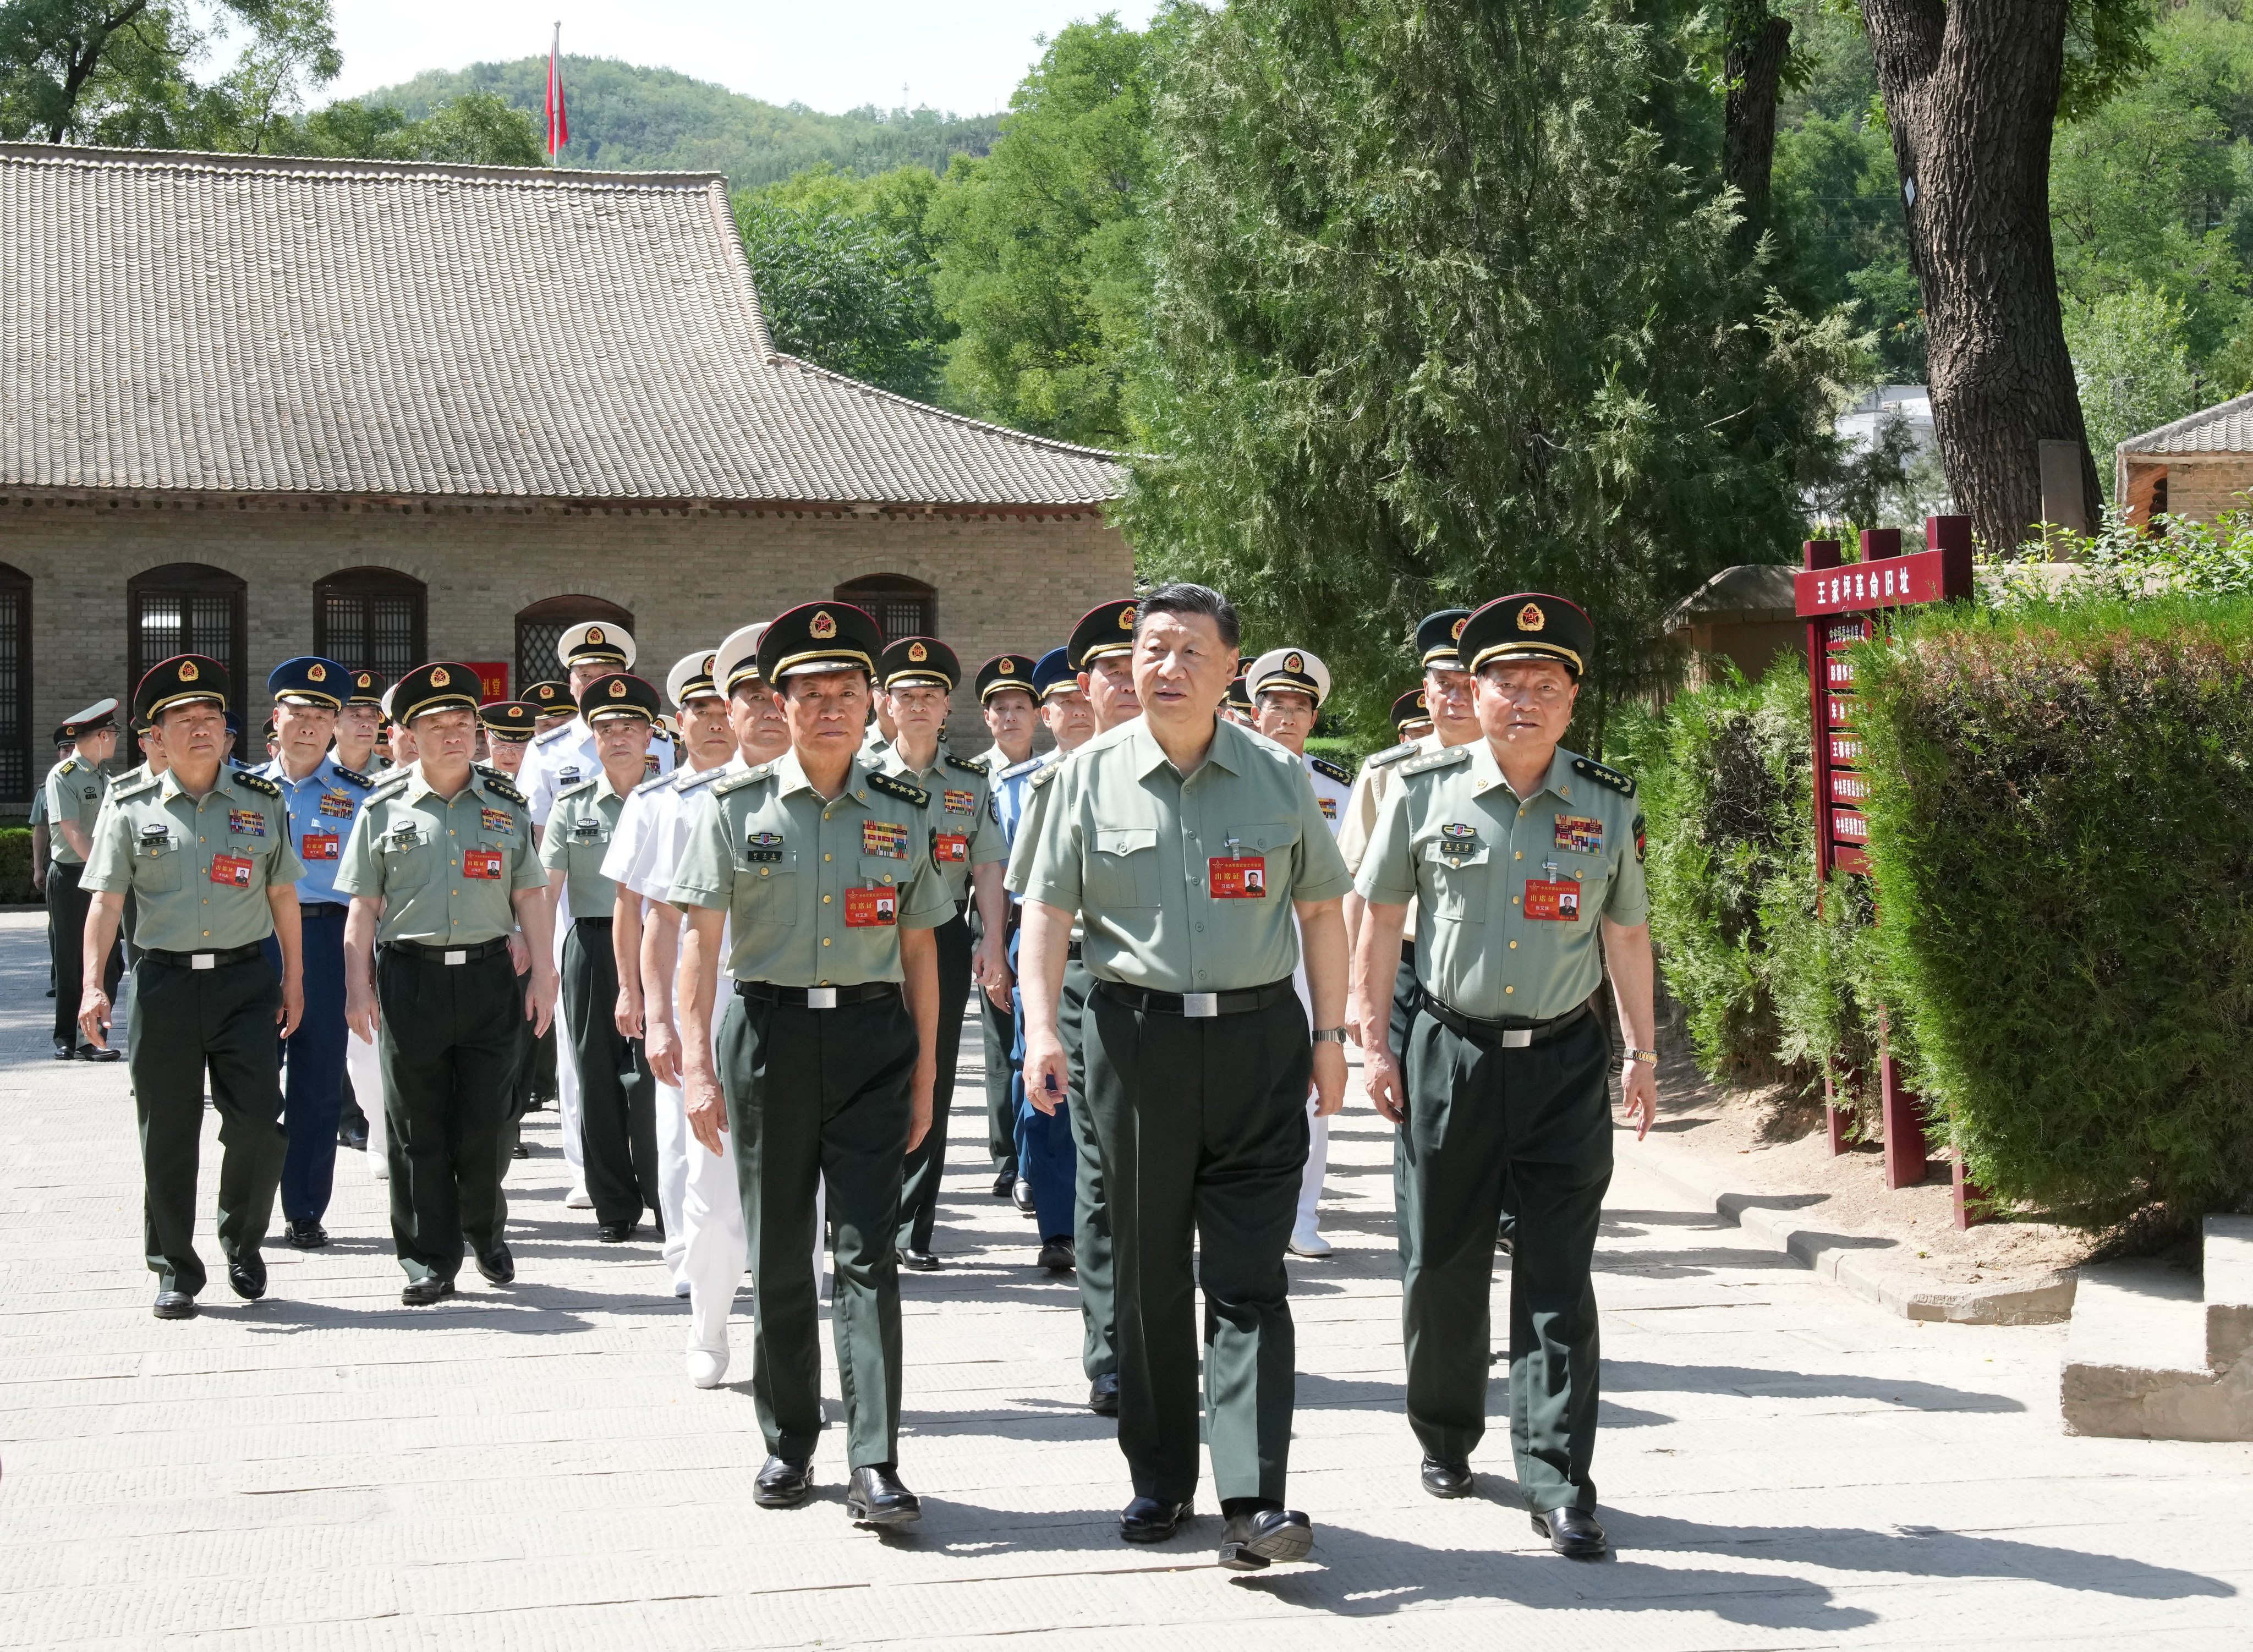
2199 466
451 395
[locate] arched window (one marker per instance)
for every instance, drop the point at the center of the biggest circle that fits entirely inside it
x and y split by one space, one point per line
903 607
17 775
372 619
187 608
538 626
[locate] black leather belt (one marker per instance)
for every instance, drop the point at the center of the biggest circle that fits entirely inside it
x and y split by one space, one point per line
322 908
816 997
1197 1006
592 923
1071 951
1408 952
449 954
219 960
1511 1032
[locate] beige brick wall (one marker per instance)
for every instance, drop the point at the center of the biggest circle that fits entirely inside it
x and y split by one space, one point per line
2203 488
688 576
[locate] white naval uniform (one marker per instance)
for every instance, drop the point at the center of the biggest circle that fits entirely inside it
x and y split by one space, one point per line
1331 792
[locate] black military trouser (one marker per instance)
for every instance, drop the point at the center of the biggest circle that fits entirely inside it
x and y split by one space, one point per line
1092 1260
617 1098
1203 1127
1000 1024
447 1041
186 1021
1532 1128
66 909
927 1162
815 1097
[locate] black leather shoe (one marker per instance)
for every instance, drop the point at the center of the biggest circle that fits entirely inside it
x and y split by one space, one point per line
1251 1543
422 1293
356 1139
1573 1533
1447 1480
1504 1246
783 1484
1150 1520
1005 1184
921 1261
1057 1256
1021 1196
614 1232
246 1275
520 1152
877 1498
306 1235
174 1305
498 1266
88 1052
65 1052
1102 1395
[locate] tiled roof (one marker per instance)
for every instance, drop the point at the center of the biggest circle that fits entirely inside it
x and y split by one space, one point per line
2225 428
240 323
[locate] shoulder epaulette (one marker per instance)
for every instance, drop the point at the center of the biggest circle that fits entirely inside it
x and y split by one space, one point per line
1391 754
257 782
1016 769
1596 771
146 782
1046 775
968 765
391 785
687 780
353 774
1445 757
652 785
893 785
69 765
560 729
737 782
1335 771
574 790
500 786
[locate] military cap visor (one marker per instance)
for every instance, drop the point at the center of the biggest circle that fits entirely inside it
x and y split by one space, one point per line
549 698
736 660
595 642
1053 675
691 676
309 680
367 689
1410 707
918 659
182 681
1004 671
100 715
1108 628
1529 625
1239 693
509 720
620 695
1291 668
1438 638
440 685
818 637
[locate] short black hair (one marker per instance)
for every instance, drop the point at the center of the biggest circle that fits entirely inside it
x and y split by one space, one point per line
1182 597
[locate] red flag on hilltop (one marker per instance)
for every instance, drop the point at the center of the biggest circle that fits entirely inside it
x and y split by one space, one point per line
558 123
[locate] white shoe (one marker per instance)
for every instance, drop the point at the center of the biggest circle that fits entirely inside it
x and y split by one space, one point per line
1306 1242
706 1367
577 1200
681 1288
378 1167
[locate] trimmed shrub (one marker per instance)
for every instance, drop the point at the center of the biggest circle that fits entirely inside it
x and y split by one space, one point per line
15 865
2062 842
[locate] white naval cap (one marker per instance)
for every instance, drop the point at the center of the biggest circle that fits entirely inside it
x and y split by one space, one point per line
1288 668
692 675
736 660
595 642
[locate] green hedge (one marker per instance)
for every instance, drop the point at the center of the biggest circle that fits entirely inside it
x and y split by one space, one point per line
15 865
2061 843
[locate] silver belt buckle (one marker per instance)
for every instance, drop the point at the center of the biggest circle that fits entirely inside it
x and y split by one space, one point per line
821 998
202 960
1516 1037
1200 1004
457 958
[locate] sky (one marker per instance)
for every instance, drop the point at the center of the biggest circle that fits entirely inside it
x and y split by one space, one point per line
965 57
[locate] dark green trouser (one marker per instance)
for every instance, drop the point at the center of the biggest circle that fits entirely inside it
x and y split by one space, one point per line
1533 1126
1091 1236
1204 1126
816 1096
184 1021
543 1069
617 1098
1000 1022
447 1040
519 1087
919 1176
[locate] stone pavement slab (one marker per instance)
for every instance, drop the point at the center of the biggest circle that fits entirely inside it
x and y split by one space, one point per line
1781 1464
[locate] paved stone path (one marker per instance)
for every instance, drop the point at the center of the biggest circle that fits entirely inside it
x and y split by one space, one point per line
1782 1464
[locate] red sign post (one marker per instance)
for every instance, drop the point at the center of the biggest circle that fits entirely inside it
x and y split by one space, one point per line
1843 604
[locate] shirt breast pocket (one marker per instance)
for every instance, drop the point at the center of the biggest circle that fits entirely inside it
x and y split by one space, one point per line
766 883
1123 870
407 861
1455 881
583 853
156 866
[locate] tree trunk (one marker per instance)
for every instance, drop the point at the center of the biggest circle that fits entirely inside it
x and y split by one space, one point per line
1971 91
1754 68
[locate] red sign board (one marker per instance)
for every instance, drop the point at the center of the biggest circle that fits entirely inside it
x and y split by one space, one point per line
492 678
1897 582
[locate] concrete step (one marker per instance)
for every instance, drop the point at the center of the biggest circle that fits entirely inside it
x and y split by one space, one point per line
2153 1355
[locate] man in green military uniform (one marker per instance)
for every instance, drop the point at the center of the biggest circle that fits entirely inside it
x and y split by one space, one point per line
1187 845
1518 854
205 850
617 1116
826 1056
75 788
916 675
442 871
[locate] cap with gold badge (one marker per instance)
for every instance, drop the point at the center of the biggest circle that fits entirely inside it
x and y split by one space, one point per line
595 643
442 685
511 720
549 699
1292 668
621 694
1053 675
1411 710
1107 628
1003 671
365 689
736 660
1238 697
819 637
913 660
309 680
691 678
1529 626
184 680
1438 636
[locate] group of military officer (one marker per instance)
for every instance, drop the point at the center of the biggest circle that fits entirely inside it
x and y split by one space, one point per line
1177 917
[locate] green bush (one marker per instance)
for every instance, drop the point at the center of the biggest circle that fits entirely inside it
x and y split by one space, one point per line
2061 843
15 865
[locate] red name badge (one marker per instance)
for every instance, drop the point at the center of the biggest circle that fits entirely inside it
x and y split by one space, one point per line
481 863
950 848
318 845
1238 877
871 909
232 869
1558 902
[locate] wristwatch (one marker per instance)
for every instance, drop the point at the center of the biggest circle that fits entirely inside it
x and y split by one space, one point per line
1330 1036
1647 1058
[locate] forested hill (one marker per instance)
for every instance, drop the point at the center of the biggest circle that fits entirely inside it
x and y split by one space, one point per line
630 118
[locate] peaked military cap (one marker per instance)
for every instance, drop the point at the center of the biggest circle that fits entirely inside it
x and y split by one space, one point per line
1053 675
1004 671
736 660
100 715
509 720
367 689
1107 628
1293 669
918 659
1439 637
819 637
184 680
1531 626
595 642
621 694
691 676
1238 697
440 685
1410 709
309 680
549 699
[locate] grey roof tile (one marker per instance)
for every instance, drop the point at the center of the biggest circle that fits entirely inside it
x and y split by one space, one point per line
2226 427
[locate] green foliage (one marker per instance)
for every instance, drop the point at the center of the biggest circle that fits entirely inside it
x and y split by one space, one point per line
1838 219
2132 365
626 118
476 128
16 866
2060 825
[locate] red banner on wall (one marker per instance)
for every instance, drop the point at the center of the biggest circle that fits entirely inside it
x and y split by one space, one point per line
492 678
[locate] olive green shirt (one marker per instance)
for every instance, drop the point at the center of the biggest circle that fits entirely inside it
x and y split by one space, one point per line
74 789
579 831
417 852
1455 836
961 807
786 866
1130 844
199 868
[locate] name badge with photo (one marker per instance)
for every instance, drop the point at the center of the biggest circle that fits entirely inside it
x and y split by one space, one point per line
231 869
949 848
318 845
1558 902
481 863
1238 877
871 909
